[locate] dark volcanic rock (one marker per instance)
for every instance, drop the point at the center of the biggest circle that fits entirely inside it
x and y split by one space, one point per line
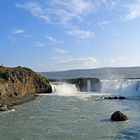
86 84
20 84
114 97
118 116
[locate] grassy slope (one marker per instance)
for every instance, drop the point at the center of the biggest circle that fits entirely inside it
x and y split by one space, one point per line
21 84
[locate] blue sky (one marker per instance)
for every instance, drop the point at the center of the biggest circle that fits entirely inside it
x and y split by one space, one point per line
53 35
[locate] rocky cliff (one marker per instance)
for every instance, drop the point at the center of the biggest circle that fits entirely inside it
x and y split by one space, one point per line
21 84
86 84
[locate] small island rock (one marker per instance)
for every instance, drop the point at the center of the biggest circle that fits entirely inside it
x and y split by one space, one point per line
118 116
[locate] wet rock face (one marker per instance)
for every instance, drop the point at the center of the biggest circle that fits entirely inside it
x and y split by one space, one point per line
87 84
118 116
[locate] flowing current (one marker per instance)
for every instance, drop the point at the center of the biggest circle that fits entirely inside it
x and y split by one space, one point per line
68 114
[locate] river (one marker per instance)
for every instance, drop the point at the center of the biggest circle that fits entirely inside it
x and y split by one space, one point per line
75 116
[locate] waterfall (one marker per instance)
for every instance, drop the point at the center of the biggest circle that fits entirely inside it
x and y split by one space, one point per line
62 88
115 87
126 87
88 85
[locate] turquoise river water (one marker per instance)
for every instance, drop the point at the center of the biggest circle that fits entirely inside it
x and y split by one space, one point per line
77 116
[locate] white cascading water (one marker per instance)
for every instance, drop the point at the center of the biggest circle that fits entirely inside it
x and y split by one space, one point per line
88 85
115 87
123 87
66 89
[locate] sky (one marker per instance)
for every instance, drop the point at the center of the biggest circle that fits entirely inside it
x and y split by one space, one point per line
55 35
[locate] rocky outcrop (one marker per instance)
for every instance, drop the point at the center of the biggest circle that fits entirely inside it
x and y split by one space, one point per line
21 84
118 116
114 97
86 84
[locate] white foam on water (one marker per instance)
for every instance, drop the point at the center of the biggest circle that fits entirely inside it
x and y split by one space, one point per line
8 111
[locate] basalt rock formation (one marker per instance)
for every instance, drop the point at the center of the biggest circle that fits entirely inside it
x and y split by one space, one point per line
20 84
114 97
86 84
118 116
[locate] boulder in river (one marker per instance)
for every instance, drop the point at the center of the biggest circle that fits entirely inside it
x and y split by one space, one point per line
118 116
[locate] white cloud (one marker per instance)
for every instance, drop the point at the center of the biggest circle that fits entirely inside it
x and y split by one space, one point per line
109 4
75 8
133 11
109 61
70 63
61 62
69 10
83 34
18 31
103 24
53 40
61 51
36 10
39 44
115 61
59 11
78 6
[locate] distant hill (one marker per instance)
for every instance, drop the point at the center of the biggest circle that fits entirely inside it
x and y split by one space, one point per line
102 73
